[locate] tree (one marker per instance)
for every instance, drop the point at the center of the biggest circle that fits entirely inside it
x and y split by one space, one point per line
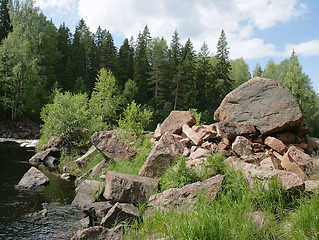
108 53
239 72
125 63
5 23
142 66
271 70
223 67
257 71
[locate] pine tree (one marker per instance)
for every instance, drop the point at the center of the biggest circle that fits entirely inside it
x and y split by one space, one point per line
125 63
5 24
223 67
257 71
108 54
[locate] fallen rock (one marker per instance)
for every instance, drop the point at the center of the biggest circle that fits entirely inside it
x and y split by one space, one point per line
302 159
97 233
68 177
111 146
205 132
231 130
40 156
127 188
192 135
312 186
81 161
276 144
161 156
186 196
286 137
288 164
51 163
98 168
268 163
224 144
199 153
175 121
87 193
98 210
120 212
242 146
264 103
33 178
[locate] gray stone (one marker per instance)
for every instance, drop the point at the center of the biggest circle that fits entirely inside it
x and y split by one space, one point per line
98 210
111 146
98 168
68 177
120 212
186 196
33 178
40 156
51 163
87 193
161 156
81 161
231 130
242 146
97 233
264 103
127 188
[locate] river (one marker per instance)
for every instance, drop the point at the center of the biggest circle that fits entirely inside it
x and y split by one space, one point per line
25 214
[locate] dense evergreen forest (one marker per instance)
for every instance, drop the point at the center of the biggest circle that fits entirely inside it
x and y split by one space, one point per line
39 60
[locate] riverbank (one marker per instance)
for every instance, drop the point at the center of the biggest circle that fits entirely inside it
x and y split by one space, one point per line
19 129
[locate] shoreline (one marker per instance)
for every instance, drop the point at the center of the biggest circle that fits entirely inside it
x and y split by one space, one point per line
24 143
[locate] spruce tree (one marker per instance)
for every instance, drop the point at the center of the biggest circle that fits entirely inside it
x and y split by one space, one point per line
125 63
5 24
108 54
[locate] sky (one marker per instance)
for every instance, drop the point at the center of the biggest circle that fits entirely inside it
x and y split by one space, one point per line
256 30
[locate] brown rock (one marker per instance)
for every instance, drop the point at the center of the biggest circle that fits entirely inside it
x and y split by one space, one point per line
186 152
299 157
286 138
98 210
302 132
120 212
312 186
263 103
224 144
313 144
127 188
186 196
288 164
161 156
267 163
33 178
98 168
242 146
97 233
186 142
276 144
176 120
206 131
81 161
157 132
200 152
192 135
111 146
42 155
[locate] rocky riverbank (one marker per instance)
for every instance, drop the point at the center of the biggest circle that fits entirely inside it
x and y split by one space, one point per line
23 129
259 129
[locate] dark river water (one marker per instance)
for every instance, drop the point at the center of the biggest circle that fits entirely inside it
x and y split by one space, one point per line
21 210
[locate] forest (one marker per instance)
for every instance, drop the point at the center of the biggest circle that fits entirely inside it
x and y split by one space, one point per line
40 63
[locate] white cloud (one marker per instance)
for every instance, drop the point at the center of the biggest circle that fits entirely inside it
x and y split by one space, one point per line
200 20
309 48
59 5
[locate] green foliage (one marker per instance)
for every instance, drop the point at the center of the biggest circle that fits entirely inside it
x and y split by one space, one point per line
130 91
134 119
239 72
197 115
68 115
105 101
178 176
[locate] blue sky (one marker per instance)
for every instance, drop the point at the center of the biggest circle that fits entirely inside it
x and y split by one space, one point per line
256 30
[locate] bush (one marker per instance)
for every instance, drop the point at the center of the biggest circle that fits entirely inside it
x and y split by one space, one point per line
68 115
134 119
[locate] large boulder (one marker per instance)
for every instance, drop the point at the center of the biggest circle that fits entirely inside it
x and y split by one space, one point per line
127 188
111 146
87 193
98 210
97 233
33 178
187 195
161 156
231 130
175 121
264 103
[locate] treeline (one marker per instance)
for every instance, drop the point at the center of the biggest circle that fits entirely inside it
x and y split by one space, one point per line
36 58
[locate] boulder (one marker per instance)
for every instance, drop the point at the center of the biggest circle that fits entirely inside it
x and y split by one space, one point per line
302 159
199 153
81 161
264 103
242 146
276 144
120 212
312 186
68 177
224 144
127 188
231 130
111 146
40 156
161 156
268 163
192 135
33 178
98 168
51 162
175 121
186 196
288 164
286 137
97 233
87 193
98 210
289 180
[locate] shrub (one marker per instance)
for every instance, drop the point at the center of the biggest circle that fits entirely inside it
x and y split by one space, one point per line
68 115
134 119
